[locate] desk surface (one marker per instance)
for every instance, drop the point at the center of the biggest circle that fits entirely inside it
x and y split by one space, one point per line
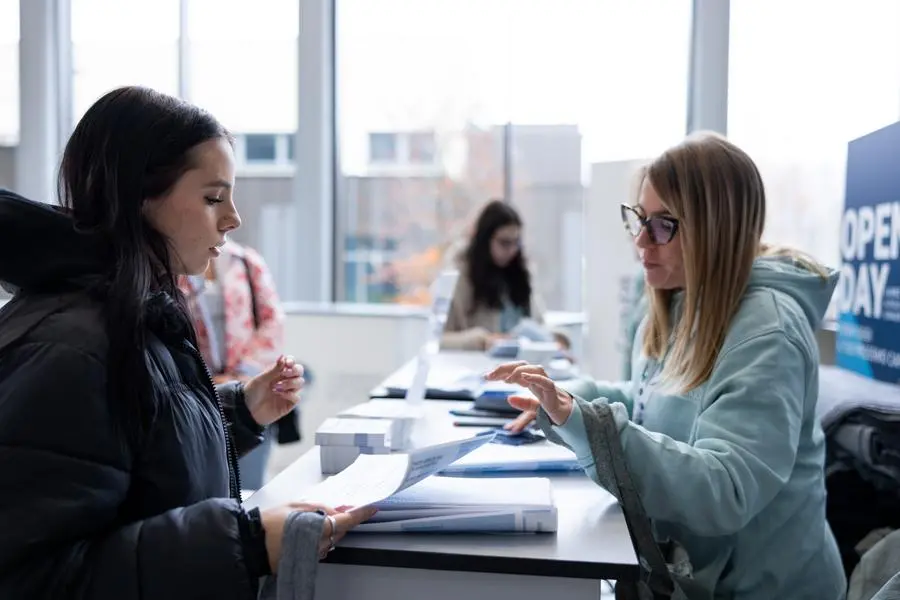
592 541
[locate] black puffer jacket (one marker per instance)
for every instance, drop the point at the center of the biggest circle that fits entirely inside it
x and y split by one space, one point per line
83 513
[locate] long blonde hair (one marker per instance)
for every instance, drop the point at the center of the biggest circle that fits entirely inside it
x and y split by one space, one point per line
716 192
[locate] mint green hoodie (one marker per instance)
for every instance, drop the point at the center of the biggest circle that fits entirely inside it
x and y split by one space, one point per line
637 303
733 469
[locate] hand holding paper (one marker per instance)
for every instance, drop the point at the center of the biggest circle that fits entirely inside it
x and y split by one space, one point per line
409 499
374 477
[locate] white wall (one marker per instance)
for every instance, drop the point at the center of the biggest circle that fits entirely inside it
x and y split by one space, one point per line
353 344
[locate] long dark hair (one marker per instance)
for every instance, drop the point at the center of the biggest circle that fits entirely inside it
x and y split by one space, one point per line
489 281
129 148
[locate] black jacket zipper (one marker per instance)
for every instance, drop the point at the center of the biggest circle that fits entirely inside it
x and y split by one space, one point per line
234 475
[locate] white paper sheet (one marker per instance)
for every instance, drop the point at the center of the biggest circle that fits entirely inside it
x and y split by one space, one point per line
418 387
372 478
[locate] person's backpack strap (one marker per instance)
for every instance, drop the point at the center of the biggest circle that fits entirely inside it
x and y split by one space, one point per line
659 579
288 427
612 472
253 305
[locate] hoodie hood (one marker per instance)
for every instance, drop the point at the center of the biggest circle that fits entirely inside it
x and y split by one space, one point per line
809 289
40 249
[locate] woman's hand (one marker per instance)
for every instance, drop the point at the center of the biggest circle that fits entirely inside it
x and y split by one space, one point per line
274 393
557 403
337 524
495 338
485 340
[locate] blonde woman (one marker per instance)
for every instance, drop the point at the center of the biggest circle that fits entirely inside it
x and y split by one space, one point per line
718 423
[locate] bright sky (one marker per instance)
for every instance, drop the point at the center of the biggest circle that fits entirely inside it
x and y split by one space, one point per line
594 63
806 75
445 62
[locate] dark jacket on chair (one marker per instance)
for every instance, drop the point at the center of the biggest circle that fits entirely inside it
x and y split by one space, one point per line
85 512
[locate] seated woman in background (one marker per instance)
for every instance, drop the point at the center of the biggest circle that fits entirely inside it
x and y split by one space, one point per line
240 328
494 291
718 423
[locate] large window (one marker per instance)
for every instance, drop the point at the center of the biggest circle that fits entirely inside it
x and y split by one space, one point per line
243 62
9 72
444 104
242 65
805 78
117 43
238 60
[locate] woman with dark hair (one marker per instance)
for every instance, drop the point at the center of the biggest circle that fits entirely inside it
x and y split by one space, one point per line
118 469
494 291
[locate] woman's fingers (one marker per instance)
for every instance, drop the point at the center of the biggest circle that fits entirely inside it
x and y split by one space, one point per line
288 386
519 374
539 384
289 368
339 524
347 520
338 521
513 372
524 403
521 422
503 371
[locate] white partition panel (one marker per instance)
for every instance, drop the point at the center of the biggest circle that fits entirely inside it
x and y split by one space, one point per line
610 264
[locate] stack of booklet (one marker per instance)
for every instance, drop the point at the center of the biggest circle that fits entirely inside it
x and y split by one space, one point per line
341 441
401 413
410 497
374 427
